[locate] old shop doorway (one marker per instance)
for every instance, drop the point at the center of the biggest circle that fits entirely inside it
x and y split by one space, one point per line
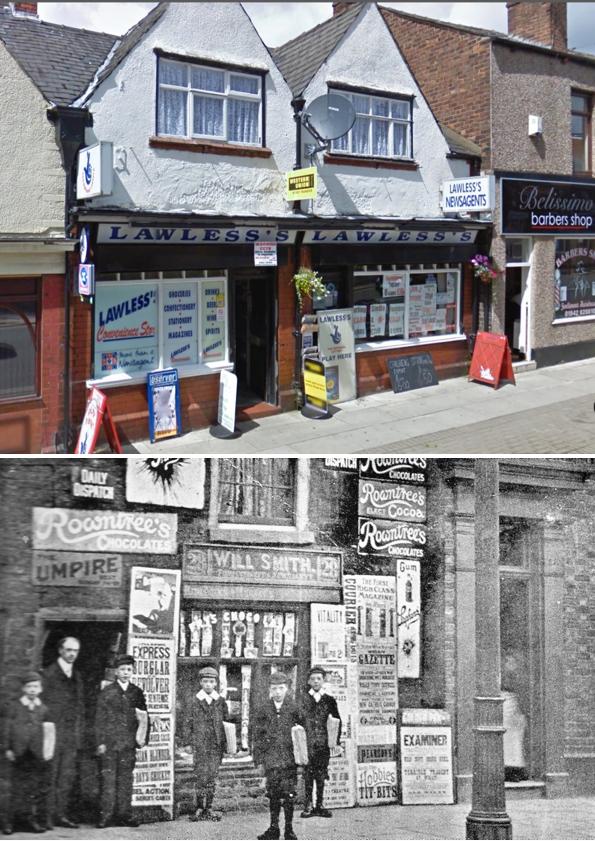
100 642
253 334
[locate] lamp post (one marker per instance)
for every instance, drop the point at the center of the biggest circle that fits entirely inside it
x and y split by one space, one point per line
488 817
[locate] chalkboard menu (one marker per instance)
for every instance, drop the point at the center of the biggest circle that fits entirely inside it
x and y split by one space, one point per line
410 372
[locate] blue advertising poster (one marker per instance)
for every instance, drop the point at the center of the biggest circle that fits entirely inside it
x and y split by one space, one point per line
126 319
163 392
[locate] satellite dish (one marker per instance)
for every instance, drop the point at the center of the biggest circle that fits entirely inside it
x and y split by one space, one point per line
329 117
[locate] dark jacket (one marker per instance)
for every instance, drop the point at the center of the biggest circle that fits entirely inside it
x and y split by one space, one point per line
273 745
315 720
116 722
205 727
25 729
64 697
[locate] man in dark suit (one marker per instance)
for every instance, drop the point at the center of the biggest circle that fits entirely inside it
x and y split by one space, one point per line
317 706
63 694
273 751
121 726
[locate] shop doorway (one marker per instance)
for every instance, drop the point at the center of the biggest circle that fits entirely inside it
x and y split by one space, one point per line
254 329
100 642
521 619
517 312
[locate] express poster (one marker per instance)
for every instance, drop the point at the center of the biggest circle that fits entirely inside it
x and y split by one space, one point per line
126 319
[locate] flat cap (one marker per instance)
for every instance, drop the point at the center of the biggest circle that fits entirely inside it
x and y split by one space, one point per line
124 660
279 677
208 671
30 677
317 670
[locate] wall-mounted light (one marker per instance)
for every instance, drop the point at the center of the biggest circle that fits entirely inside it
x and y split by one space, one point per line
535 125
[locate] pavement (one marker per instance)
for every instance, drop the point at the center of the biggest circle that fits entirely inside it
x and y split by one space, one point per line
548 411
564 818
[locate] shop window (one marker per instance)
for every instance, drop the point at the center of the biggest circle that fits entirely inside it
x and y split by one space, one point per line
245 644
383 127
147 324
574 280
256 500
199 101
581 107
404 304
19 319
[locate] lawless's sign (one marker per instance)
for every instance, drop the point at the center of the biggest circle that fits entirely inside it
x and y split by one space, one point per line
547 207
97 484
469 195
379 237
397 469
104 531
127 234
391 502
76 569
382 537
255 564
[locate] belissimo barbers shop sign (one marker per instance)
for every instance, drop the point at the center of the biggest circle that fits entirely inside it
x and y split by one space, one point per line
547 208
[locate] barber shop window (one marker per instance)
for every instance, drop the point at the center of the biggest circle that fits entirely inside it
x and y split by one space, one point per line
208 103
19 324
260 499
383 127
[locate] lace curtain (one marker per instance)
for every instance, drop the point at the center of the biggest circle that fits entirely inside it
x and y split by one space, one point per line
261 490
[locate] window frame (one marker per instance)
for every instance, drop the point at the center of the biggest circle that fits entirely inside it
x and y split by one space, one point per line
587 115
382 96
226 95
16 297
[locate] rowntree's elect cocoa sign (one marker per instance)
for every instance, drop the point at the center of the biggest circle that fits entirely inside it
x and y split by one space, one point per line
384 537
411 470
391 502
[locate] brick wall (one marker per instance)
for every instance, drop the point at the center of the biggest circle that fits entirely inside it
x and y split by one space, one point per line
52 360
452 68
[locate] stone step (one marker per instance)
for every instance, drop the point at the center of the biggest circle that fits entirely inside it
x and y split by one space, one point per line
526 790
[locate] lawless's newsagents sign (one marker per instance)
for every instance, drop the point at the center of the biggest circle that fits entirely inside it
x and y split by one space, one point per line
152 235
391 502
469 195
362 236
547 207
386 537
104 531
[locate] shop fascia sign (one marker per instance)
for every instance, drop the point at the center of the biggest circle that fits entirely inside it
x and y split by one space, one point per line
379 236
469 195
123 234
547 208
95 172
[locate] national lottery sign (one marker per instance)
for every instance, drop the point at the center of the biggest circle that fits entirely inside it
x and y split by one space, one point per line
126 318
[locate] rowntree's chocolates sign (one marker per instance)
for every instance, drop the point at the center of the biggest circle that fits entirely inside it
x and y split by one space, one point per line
394 469
385 537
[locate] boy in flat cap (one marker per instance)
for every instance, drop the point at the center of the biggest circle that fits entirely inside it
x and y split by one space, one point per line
121 726
207 735
273 749
29 748
317 706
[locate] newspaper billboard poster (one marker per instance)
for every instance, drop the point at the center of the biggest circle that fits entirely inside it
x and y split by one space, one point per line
426 765
153 781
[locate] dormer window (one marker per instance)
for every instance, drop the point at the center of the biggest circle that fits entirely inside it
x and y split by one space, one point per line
204 102
383 127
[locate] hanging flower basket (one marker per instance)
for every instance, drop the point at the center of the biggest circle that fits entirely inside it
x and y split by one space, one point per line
484 268
309 284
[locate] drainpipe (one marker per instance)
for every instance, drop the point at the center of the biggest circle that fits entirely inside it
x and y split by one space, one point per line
297 104
70 133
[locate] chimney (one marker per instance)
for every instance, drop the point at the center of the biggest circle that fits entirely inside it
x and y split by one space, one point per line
339 8
541 22
25 10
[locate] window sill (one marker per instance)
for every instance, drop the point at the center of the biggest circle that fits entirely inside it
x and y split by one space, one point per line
13 404
209 147
119 380
255 533
369 345
576 320
375 163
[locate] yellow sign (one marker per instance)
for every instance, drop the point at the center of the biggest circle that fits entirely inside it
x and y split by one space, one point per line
315 385
301 184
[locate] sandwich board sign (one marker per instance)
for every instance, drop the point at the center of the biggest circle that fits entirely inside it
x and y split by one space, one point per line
492 360
163 392
97 412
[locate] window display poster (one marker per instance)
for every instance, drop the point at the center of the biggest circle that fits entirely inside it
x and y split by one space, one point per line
163 393
393 285
126 319
154 603
337 349
153 780
327 622
426 765
378 319
176 482
574 279
360 314
180 304
408 619
396 319
213 320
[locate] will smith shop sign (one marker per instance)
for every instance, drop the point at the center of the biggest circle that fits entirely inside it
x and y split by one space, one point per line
547 208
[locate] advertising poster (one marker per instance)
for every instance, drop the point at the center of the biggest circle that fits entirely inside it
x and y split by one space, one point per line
175 482
91 424
408 619
378 319
180 306
396 320
163 394
389 537
153 781
213 320
76 569
337 351
126 319
360 313
393 285
396 469
370 615
426 764
391 502
154 602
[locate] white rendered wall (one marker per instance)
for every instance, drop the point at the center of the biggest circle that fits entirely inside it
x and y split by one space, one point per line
32 180
168 180
368 57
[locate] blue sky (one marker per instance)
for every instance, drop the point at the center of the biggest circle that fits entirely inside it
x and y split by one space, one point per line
278 22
